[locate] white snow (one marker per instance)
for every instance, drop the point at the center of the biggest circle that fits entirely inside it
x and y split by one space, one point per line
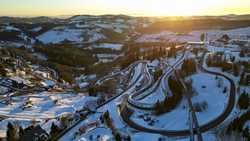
36 29
83 85
193 36
44 105
177 119
48 83
211 94
109 46
40 56
154 63
61 34
82 25
104 57
11 28
138 70
247 124
107 26
141 136
103 133
56 36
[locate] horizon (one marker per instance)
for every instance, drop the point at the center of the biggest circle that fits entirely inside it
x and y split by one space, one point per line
149 8
69 16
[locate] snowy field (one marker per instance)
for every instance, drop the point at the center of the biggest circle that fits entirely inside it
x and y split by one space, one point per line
177 119
24 110
44 105
193 36
109 46
101 134
60 34
208 91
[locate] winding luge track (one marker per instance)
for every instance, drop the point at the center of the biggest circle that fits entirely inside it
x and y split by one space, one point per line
106 102
133 98
205 127
101 80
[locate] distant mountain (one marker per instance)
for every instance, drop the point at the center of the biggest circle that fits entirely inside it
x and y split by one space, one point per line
195 23
28 20
89 29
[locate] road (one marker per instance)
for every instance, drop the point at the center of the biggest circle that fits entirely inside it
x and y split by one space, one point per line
212 124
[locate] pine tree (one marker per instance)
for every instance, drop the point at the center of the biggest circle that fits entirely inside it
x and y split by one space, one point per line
11 132
54 129
242 79
21 131
118 137
158 107
243 101
236 70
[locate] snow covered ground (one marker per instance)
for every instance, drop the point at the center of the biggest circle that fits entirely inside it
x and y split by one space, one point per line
44 105
106 57
193 36
60 34
98 134
138 70
41 107
117 27
208 91
11 28
177 119
37 29
109 46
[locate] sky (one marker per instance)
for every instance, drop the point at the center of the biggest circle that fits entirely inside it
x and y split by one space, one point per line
127 7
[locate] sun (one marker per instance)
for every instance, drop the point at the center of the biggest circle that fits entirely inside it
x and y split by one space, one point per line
183 7
176 8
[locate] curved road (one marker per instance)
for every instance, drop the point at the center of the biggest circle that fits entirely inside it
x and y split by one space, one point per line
202 128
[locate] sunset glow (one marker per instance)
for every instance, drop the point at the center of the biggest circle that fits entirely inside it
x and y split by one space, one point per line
130 7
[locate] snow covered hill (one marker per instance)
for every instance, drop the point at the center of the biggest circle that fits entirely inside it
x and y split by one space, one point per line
60 34
192 36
